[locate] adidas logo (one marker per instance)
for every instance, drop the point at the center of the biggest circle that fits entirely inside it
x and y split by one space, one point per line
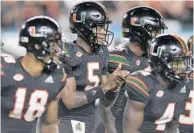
100 51
49 80
183 90
94 92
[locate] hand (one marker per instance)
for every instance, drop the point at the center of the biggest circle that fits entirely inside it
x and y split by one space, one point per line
121 73
65 52
115 79
64 56
69 59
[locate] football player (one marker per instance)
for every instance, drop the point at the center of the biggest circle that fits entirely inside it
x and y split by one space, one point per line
31 85
158 96
186 119
139 25
88 58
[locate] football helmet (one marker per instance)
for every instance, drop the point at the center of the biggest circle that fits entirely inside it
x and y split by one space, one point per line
141 24
41 35
169 56
85 20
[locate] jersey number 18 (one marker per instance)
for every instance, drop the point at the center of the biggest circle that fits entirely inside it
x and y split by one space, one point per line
36 104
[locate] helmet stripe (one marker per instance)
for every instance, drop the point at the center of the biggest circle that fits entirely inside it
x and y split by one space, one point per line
182 43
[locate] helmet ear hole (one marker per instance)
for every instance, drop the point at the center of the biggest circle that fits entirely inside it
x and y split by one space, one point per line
156 64
160 67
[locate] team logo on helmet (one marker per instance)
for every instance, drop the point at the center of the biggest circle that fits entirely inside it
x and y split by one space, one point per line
82 19
135 21
41 33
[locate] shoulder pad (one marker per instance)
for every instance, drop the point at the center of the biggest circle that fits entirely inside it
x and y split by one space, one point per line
141 80
137 88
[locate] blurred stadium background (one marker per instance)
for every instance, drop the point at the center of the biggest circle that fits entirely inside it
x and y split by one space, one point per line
178 17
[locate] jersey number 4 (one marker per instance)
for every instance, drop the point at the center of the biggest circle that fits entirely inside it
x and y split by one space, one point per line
165 118
36 105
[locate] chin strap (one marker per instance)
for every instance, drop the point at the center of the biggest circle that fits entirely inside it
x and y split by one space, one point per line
49 68
50 65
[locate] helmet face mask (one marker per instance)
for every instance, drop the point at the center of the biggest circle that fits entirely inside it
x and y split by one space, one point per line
41 36
90 21
102 35
51 51
191 65
179 66
154 31
190 46
169 56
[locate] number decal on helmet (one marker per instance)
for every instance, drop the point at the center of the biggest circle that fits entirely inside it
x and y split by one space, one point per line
41 33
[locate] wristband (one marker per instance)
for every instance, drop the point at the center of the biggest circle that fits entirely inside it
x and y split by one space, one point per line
94 93
110 95
68 70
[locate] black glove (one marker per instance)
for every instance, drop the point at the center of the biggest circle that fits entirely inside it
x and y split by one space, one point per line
68 70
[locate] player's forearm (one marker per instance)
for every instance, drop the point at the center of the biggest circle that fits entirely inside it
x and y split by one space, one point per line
89 96
51 128
83 98
133 116
80 99
73 98
48 126
107 118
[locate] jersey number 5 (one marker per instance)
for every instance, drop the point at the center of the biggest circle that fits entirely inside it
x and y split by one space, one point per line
91 67
36 107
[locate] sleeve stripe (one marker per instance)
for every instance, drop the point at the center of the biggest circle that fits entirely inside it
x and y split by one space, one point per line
118 58
139 83
116 55
181 42
138 87
117 62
